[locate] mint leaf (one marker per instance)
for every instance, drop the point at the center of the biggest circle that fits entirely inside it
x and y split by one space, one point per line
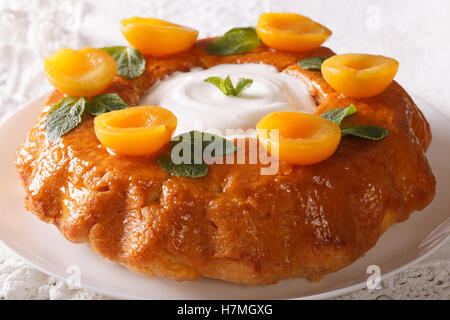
219 83
226 86
236 40
337 115
217 144
367 132
229 86
105 103
312 63
130 62
199 145
64 116
181 170
242 85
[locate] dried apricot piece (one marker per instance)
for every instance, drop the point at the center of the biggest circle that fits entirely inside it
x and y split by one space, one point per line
301 139
359 75
157 37
291 32
80 73
136 131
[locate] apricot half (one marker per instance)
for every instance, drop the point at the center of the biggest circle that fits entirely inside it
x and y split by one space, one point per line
80 73
136 131
301 139
157 37
291 32
359 75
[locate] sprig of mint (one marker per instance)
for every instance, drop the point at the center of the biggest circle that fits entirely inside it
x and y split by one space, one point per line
130 62
362 131
66 114
312 63
226 86
236 40
193 146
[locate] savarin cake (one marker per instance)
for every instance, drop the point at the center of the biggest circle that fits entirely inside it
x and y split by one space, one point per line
348 140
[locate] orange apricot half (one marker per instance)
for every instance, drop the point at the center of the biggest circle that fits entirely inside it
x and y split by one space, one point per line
136 131
157 37
359 75
302 139
80 73
291 32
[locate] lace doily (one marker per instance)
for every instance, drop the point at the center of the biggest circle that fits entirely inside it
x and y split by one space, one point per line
32 29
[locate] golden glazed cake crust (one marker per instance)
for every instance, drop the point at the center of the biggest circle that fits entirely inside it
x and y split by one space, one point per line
234 224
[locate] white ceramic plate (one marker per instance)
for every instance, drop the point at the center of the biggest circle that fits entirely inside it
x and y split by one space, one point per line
43 246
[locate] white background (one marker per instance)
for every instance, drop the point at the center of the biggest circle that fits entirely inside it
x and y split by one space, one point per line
415 32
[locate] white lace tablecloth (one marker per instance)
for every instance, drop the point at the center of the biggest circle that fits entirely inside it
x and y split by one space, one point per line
415 32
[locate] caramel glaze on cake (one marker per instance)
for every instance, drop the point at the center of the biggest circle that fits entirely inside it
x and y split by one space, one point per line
234 224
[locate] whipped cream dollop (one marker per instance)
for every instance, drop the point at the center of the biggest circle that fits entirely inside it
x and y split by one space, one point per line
202 106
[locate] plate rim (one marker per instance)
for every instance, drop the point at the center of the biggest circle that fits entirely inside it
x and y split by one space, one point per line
319 296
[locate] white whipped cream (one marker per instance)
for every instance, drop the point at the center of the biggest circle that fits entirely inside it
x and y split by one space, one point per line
202 106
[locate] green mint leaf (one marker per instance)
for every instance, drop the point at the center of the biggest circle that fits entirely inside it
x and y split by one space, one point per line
219 83
237 40
362 131
229 86
181 170
226 86
192 143
105 103
242 85
218 145
337 115
367 132
199 145
197 140
64 116
312 63
130 62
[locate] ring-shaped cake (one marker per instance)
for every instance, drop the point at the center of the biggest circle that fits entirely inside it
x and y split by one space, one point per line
233 224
